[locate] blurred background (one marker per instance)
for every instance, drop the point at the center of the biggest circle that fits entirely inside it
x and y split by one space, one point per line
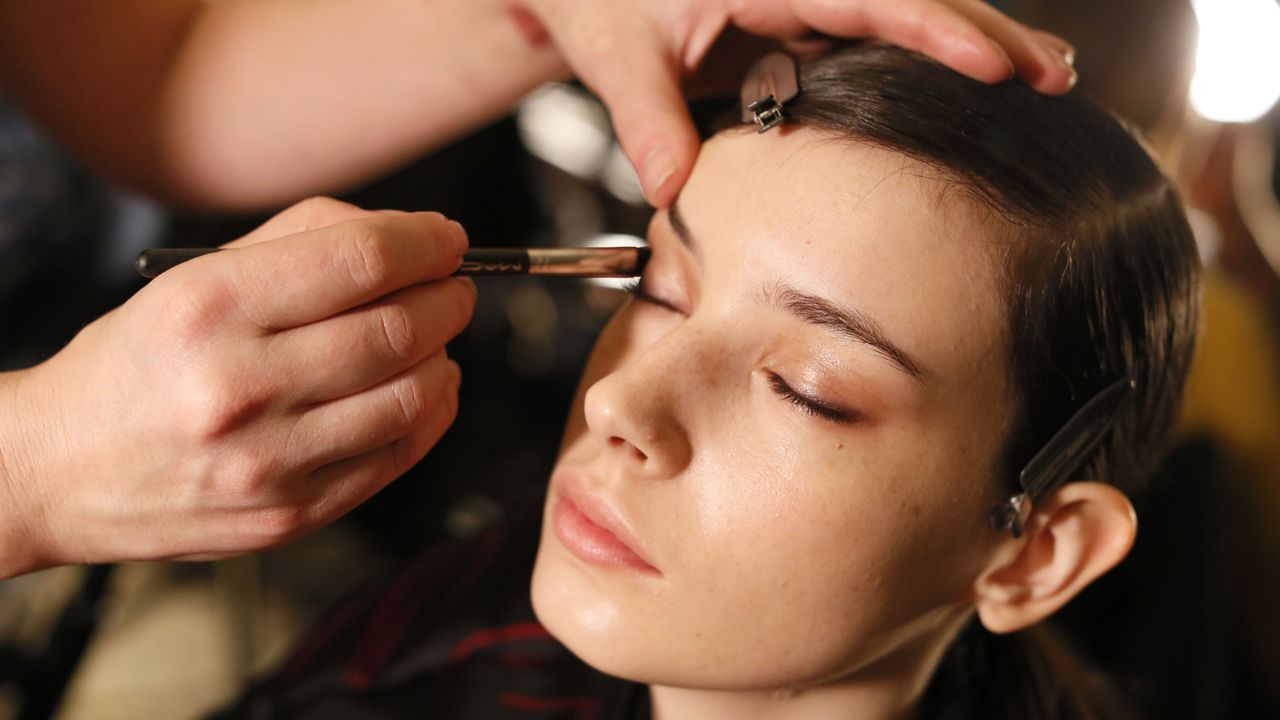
1189 625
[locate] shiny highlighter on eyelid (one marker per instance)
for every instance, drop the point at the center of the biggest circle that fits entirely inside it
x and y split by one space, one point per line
805 401
808 403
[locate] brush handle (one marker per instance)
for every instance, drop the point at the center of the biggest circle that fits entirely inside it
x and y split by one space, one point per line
562 262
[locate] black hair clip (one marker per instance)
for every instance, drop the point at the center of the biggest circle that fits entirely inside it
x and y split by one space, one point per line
1062 455
769 84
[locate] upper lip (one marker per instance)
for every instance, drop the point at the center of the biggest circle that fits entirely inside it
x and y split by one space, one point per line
600 511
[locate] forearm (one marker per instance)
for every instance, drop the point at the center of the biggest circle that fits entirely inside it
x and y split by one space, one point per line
243 103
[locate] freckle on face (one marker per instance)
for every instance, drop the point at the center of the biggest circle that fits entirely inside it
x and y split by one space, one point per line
842 517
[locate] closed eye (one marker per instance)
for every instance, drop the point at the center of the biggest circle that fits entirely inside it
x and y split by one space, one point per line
808 405
635 288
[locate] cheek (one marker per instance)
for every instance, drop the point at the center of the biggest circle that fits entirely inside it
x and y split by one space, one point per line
799 557
821 557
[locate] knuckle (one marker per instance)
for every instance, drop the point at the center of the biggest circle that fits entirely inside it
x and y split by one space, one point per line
599 45
412 402
397 332
435 218
316 211
308 207
254 475
363 254
276 525
193 312
213 409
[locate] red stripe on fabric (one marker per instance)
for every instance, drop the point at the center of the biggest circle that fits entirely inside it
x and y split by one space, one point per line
401 605
320 637
377 643
486 637
517 660
584 706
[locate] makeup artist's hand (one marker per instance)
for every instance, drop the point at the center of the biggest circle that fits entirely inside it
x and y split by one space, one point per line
635 54
243 398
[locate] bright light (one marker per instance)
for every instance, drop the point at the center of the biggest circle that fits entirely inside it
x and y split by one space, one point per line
566 128
613 240
1238 59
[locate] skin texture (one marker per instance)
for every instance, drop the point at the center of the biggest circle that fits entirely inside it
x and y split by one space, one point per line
256 103
638 54
160 432
788 546
231 406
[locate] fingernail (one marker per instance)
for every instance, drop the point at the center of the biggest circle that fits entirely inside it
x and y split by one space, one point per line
1062 53
659 166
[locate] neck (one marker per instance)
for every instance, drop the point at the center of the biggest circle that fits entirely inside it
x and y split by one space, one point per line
819 703
886 689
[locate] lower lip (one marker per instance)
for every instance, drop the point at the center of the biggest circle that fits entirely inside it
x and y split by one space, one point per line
590 542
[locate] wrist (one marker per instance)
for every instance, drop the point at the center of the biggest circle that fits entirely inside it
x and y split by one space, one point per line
22 546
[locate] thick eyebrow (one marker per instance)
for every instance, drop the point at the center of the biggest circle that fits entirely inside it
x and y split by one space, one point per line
848 322
682 230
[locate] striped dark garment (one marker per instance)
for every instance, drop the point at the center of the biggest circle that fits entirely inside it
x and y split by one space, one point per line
453 636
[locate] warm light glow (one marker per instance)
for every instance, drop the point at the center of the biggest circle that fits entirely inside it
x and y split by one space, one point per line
613 240
1237 75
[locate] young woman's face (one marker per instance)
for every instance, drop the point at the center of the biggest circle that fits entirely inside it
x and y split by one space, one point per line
777 471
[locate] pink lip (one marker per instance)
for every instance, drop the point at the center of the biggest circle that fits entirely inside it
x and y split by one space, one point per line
594 530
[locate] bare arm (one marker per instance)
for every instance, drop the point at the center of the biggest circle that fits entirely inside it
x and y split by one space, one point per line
248 103
243 103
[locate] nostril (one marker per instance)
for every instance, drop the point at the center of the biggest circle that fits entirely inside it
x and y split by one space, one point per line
620 443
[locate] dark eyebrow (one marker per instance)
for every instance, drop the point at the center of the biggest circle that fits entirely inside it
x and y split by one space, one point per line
682 231
850 323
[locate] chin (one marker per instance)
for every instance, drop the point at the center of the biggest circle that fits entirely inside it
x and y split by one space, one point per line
629 636
605 619
579 615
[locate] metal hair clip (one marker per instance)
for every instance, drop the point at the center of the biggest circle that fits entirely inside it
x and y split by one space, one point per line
1062 455
770 83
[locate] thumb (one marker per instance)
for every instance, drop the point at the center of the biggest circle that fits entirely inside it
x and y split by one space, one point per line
638 79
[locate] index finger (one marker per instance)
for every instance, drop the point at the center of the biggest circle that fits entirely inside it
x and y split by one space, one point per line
312 275
969 36
929 27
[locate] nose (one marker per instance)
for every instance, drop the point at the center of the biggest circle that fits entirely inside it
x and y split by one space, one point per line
635 410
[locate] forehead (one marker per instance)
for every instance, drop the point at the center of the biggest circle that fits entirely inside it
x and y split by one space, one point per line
862 226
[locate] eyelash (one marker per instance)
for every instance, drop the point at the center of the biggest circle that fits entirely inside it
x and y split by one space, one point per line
635 288
807 405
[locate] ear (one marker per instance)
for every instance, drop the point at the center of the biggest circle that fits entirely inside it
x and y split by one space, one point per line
1075 535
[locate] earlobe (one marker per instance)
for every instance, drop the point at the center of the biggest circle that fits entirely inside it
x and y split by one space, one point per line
1074 536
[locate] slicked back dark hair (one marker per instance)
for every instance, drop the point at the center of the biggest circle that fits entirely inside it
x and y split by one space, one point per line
1102 273
1101 279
